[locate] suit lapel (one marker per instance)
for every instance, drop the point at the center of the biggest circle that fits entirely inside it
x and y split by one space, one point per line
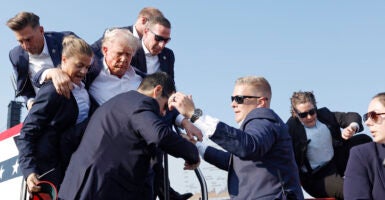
53 49
163 62
139 60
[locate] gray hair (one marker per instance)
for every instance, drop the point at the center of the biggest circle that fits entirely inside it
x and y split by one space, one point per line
123 35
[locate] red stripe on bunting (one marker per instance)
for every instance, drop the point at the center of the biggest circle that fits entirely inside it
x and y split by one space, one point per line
11 132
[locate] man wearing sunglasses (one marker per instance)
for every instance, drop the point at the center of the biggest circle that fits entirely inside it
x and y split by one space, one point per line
137 29
258 155
321 149
154 31
154 55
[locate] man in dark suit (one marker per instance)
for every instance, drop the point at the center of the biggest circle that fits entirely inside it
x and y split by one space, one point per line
259 156
154 55
37 49
151 57
114 156
146 14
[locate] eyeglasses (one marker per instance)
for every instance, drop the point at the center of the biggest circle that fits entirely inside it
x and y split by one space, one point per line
239 98
159 38
311 112
372 115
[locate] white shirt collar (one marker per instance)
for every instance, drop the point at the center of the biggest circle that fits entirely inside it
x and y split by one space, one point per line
78 87
135 32
146 51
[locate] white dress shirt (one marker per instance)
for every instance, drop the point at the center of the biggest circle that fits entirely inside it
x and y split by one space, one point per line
37 62
83 100
105 86
152 61
207 125
135 32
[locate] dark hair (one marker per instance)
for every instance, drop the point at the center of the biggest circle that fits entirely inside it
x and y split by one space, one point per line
158 78
22 20
301 97
163 21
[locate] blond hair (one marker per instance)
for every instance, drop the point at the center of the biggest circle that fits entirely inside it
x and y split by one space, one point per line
73 45
149 13
261 85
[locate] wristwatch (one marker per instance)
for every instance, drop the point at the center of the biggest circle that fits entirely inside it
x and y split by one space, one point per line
197 113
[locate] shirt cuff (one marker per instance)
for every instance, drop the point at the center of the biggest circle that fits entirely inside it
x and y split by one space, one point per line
201 148
178 120
207 124
42 77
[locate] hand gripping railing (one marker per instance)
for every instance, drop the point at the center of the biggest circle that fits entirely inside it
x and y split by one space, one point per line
197 171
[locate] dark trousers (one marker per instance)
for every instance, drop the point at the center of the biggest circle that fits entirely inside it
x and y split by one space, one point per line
328 180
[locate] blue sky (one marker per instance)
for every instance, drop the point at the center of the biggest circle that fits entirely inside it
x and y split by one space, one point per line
334 48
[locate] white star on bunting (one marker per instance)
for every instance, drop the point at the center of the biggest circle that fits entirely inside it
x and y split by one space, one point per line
15 167
1 172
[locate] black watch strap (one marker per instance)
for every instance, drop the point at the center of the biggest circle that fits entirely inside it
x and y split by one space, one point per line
197 113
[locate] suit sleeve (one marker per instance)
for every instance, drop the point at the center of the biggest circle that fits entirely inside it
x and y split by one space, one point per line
36 77
97 48
23 83
34 126
155 130
218 158
344 119
251 143
356 183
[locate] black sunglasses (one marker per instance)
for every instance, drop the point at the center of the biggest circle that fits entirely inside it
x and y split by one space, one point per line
311 112
372 115
239 98
159 38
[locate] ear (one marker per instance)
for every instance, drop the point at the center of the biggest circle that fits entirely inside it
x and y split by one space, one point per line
104 50
143 20
63 59
145 30
262 103
157 92
41 30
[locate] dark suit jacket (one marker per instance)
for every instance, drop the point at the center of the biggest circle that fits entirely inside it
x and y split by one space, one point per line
365 172
333 120
113 159
166 60
20 61
39 141
259 157
97 45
